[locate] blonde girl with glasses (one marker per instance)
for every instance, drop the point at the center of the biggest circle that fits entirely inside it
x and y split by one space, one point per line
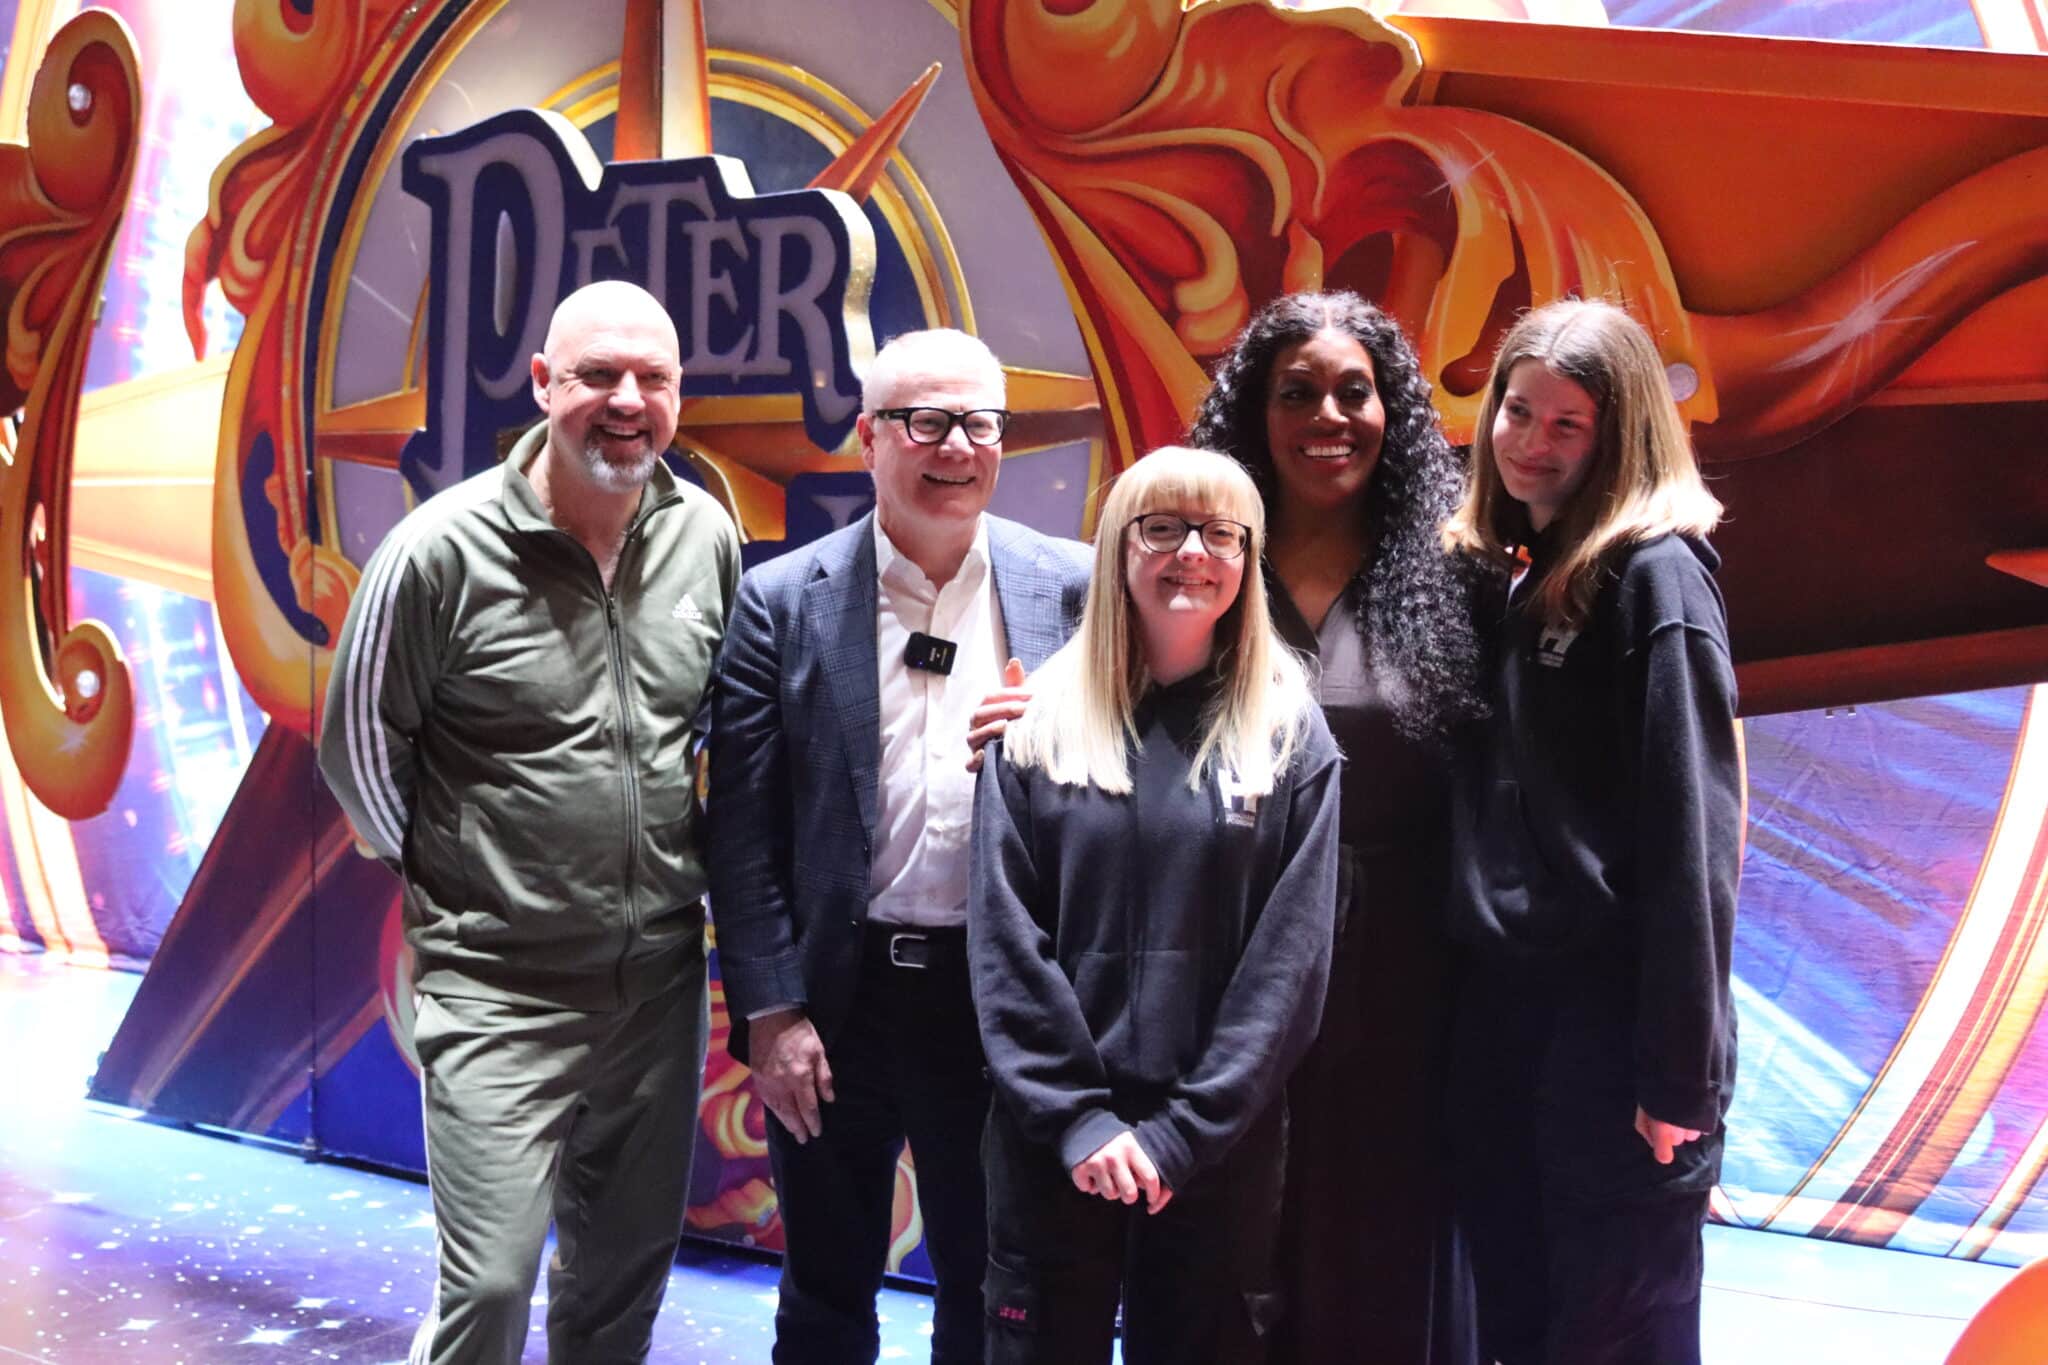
1149 925
1597 836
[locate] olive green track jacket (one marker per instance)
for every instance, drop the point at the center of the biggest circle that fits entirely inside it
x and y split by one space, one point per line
519 744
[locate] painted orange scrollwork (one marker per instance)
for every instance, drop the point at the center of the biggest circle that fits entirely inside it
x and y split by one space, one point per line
1189 163
64 687
1792 370
281 595
1214 158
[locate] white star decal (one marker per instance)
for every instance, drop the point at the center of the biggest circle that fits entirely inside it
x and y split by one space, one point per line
269 1336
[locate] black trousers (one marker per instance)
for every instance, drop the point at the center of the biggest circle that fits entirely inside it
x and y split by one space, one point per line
907 1064
1585 1251
1196 1279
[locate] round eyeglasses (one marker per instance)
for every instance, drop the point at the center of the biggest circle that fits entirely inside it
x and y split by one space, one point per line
931 426
1164 533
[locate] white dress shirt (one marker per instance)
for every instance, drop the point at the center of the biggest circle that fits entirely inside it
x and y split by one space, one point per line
926 807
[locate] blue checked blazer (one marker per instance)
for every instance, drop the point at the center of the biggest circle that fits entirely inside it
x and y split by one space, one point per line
796 744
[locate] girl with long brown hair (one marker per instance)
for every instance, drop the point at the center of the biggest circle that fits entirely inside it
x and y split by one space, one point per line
1597 841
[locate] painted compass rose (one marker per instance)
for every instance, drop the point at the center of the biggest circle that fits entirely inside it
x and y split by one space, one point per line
312 238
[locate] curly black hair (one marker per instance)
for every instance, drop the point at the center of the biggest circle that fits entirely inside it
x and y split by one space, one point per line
1417 613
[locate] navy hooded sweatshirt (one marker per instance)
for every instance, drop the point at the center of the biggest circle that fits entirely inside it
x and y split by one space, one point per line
1154 961
1598 818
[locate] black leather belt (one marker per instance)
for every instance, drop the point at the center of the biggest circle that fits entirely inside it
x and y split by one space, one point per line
918 949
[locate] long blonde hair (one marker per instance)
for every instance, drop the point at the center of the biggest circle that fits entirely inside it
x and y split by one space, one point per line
1081 724
1644 481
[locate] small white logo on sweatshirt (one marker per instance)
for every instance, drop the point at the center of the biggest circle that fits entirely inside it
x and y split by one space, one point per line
1240 807
1552 644
687 610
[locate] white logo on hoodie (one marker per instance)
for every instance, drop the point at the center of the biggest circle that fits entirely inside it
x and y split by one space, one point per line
1552 644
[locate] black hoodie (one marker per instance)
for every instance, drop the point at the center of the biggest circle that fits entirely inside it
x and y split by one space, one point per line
1154 961
1598 817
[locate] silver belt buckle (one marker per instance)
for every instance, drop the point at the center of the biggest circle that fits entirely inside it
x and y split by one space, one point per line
908 949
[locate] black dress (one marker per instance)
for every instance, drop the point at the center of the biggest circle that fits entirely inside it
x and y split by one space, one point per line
1369 1265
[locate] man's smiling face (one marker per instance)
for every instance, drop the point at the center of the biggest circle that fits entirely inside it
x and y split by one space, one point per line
931 491
610 384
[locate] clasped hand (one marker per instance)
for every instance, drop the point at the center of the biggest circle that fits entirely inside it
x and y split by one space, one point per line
1120 1170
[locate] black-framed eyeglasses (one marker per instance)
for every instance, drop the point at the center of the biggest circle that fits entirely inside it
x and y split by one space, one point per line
931 426
1163 533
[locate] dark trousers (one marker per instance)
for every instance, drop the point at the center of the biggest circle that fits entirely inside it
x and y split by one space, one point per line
1585 1251
906 1064
1370 1265
1196 1278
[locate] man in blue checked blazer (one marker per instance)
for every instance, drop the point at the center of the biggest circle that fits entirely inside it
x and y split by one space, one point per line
839 819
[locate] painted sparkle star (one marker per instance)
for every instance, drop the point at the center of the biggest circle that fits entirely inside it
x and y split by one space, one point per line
269 1336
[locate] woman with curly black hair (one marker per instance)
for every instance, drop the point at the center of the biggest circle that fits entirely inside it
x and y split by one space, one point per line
1323 400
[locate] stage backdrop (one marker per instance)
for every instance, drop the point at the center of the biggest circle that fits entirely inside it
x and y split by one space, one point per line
274 270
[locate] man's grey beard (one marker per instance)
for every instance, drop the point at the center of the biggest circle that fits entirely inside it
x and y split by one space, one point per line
617 478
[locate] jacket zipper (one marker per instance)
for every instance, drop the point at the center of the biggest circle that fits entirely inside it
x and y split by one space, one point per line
629 778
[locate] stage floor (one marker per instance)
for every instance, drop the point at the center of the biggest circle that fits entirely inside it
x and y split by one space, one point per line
123 1240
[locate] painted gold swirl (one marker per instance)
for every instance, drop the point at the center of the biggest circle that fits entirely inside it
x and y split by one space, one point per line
64 687
300 69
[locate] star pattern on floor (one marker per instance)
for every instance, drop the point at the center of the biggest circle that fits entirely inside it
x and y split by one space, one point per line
168 1245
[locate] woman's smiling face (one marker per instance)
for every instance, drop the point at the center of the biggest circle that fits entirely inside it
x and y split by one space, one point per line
1324 421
